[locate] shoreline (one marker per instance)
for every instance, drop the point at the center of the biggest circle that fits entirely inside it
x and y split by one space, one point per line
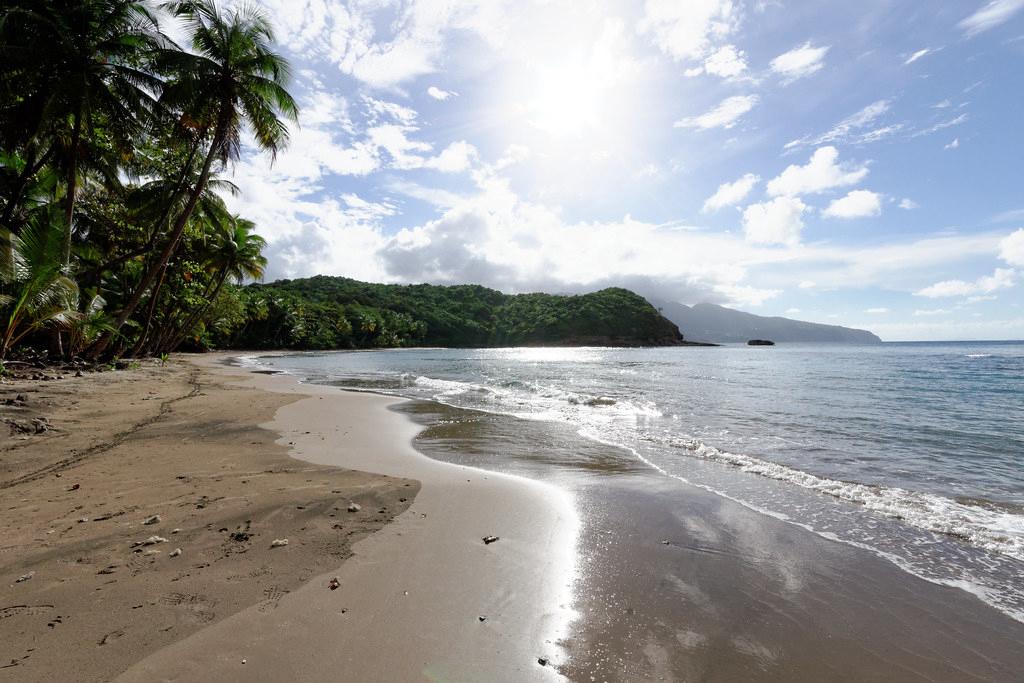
423 581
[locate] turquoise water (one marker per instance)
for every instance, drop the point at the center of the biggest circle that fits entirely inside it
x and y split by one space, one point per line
912 451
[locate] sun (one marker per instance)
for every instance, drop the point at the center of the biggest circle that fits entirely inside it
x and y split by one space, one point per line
571 100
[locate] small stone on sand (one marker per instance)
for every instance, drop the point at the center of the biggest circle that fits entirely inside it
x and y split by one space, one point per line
278 542
175 552
25 577
489 539
333 585
354 507
155 519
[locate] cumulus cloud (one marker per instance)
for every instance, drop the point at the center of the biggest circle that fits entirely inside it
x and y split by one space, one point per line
908 204
727 62
439 94
690 30
953 145
1002 278
778 221
876 311
1011 248
730 194
990 15
856 204
821 173
800 62
725 115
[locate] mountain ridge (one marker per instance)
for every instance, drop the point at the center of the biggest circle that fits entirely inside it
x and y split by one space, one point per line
715 323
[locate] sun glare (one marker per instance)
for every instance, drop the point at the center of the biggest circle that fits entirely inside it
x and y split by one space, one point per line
571 101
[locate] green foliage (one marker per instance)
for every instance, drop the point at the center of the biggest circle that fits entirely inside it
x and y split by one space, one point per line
338 313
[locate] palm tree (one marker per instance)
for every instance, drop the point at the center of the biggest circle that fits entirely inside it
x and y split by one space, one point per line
232 78
35 291
72 66
236 256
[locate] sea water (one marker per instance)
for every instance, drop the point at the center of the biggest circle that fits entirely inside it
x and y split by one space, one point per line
914 452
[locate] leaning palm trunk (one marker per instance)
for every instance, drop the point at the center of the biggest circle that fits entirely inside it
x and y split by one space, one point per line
165 256
196 316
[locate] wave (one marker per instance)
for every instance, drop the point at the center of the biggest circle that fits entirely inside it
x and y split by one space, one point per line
990 526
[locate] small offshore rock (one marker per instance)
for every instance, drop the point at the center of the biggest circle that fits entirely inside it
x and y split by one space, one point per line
25 577
354 507
489 539
279 542
155 519
334 583
175 552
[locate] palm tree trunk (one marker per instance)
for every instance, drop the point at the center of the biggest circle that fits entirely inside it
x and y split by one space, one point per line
139 345
69 209
196 315
179 228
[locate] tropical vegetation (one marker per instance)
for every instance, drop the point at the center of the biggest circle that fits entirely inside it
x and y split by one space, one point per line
338 313
114 139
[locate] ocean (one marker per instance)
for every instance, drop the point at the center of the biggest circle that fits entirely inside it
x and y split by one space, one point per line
913 452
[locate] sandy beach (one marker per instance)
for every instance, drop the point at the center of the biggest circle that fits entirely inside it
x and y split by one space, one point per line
222 464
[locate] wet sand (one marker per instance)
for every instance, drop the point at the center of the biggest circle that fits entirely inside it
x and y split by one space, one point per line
679 584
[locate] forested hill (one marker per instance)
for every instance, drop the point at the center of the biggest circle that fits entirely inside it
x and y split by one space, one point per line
338 313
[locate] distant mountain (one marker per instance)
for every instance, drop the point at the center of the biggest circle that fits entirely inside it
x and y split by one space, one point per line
710 322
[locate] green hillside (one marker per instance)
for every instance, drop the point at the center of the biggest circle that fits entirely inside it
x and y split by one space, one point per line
338 313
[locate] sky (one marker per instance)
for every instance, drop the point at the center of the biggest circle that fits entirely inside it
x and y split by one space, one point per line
853 163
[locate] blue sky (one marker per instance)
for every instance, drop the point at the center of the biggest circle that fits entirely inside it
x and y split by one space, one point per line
855 163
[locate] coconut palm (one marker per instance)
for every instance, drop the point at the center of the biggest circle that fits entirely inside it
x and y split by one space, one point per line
35 291
235 255
71 68
231 79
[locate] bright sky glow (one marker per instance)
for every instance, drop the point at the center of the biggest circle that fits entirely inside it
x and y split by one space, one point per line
854 163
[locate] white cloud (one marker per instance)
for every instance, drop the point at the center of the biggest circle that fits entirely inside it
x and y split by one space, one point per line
1002 278
918 55
953 145
807 284
792 311
725 115
439 94
942 125
456 157
821 173
991 15
851 129
1011 248
690 30
908 204
729 194
856 204
931 311
777 221
877 311
800 62
727 62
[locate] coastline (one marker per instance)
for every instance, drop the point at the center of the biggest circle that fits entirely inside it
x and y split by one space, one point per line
415 590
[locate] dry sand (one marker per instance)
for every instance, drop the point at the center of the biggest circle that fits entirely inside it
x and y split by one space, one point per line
183 444
410 601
